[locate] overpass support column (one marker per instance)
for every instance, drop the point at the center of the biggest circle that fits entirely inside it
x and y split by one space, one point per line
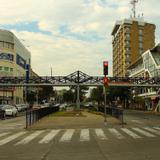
78 98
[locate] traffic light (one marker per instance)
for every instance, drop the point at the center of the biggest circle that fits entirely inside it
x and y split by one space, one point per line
105 81
105 67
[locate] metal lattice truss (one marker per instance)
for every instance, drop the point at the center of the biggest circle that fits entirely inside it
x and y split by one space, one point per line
78 78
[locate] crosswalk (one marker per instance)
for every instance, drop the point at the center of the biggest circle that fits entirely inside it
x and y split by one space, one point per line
81 135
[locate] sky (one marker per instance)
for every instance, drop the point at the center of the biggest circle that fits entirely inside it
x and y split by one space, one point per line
71 35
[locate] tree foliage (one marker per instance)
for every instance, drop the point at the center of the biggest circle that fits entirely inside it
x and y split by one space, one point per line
45 93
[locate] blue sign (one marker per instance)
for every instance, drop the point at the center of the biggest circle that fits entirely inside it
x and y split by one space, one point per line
6 56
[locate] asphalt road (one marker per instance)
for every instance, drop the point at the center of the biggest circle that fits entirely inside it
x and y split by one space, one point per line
138 140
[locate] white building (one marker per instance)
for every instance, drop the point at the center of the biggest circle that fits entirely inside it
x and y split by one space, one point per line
148 65
13 59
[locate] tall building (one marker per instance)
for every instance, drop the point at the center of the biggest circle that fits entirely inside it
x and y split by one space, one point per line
131 38
13 59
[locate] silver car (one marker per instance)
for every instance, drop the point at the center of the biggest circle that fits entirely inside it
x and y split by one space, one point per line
10 110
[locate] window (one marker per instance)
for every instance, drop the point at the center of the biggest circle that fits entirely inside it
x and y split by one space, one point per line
140 45
140 39
11 69
1 68
6 69
128 35
1 44
140 31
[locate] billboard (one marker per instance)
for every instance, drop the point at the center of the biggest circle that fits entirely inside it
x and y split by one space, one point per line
6 56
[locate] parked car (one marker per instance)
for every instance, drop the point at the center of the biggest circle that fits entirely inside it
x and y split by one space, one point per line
10 110
2 113
19 107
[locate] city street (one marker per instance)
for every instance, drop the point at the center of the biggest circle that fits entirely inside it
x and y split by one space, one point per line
139 139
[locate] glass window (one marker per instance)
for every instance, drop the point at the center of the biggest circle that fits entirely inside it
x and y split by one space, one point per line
140 38
11 69
6 45
6 69
128 35
140 31
140 45
1 44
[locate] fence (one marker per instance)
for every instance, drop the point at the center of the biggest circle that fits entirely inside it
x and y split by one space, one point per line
32 116
113 111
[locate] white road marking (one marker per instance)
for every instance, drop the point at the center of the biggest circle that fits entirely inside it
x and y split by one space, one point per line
116 133
130 133
147 134
67 136
158 128
49 136
4 134
152 130
10 138
29 138
100 134
84 136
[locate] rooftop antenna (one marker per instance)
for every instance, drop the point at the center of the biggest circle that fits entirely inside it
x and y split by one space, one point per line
133 2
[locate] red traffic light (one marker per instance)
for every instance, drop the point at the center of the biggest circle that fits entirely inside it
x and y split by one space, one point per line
105 68
105 63
105 81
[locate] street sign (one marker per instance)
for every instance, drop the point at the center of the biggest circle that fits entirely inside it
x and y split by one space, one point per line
105 81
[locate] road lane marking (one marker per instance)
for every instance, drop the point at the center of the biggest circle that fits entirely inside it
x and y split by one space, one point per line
100 134
116 133
158 128
10 138
49 136
147 134
152 130
137 121
4 134
29 138
84 135
67 136
130 133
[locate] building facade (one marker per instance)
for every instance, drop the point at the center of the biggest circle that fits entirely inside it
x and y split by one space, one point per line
131 38
148 65
13 60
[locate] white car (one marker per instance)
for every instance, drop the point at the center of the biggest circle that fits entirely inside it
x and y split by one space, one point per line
10 110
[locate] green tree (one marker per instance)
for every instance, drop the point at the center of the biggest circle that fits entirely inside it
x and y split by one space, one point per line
68 96
45 93
97 95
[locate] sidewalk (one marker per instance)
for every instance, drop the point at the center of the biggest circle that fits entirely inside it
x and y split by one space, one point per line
89 120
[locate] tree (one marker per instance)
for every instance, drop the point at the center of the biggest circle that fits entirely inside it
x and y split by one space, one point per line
68 96
82 92
97 94
45 93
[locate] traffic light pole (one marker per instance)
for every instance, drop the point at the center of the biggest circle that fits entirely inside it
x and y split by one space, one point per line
105 105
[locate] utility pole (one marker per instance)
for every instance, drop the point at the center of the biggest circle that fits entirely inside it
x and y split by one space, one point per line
51 71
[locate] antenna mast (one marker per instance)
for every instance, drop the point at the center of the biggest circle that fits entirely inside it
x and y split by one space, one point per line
133 2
